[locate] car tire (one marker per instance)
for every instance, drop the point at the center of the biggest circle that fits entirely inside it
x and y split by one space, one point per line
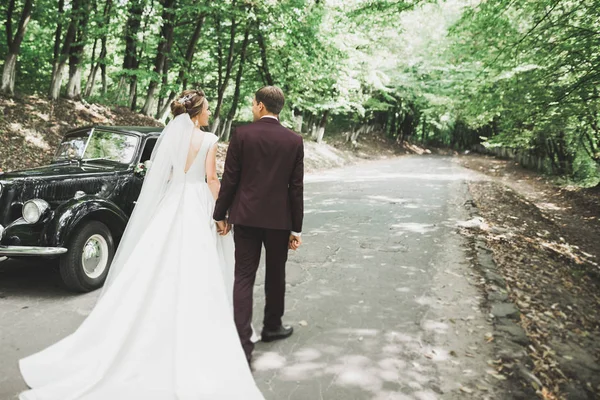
91 250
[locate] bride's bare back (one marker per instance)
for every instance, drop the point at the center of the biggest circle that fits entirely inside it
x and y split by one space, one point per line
195 146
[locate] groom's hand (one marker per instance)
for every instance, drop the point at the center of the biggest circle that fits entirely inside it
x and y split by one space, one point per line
295 242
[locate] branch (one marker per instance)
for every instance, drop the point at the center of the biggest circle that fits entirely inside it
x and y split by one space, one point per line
529 32
25 18
9 13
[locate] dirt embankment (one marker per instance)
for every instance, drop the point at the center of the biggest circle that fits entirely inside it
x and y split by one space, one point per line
31 128
546 243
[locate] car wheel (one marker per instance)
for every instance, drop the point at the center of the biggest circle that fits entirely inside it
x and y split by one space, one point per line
91 250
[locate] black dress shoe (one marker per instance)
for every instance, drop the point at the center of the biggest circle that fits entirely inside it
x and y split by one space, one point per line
282 332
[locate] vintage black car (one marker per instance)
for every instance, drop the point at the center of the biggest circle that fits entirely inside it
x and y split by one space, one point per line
74 211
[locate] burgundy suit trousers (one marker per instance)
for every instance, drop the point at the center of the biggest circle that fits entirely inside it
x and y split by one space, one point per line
248 246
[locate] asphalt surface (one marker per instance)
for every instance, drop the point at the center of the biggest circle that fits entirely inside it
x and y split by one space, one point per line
381 295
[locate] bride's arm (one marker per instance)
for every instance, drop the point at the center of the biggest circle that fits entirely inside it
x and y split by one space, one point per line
211 172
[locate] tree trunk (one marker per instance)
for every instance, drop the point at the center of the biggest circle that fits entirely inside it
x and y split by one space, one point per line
101 63
191 50
120 87
215 125
321 129
362 129
14 45
8 75
298 119
61 63
163 50
165 82
268 78
76 54
238 83
57 80
57 36
309 123
132 93
93 69
227 131
423 131
164 112
320 134
74 84
224 80
314 131
189 57
131 59
104 83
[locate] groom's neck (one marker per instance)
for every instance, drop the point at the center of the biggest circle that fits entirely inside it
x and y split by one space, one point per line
269 115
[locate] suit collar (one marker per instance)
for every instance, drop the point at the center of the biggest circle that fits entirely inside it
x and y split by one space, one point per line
269 121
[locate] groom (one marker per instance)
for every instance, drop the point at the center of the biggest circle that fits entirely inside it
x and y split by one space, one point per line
263 189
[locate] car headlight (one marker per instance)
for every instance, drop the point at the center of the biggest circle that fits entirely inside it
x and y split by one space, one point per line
34 209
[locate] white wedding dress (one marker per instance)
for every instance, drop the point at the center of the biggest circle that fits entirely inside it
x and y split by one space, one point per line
163 327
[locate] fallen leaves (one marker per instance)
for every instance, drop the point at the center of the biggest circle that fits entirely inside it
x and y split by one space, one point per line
465 389
46 122
538 265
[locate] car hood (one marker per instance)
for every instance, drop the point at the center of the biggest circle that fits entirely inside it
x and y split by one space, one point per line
54 171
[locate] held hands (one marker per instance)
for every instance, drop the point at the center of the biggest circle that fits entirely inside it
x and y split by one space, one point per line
295 242
223 227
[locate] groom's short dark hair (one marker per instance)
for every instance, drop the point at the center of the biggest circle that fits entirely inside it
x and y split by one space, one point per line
272 97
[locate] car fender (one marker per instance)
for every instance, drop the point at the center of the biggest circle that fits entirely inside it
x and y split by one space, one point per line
69 215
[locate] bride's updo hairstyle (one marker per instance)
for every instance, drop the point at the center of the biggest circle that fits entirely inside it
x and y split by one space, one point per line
189 101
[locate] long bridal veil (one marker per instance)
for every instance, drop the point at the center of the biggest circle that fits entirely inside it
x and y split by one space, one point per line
167 170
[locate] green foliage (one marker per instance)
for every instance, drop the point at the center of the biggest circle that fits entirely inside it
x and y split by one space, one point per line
520 74
535 71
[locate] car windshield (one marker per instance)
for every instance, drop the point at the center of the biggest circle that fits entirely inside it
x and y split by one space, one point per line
72 147
102 146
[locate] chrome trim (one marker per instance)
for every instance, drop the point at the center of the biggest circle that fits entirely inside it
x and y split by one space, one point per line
1 231
41 205
79 194
12 251
87 143
94 257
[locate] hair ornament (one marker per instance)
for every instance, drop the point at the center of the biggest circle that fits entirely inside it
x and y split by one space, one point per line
184 99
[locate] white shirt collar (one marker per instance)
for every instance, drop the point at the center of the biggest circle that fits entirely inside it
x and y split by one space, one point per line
269 116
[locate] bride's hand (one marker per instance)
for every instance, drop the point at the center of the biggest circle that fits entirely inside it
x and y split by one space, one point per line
222 228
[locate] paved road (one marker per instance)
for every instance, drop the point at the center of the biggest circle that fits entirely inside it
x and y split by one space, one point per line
381 295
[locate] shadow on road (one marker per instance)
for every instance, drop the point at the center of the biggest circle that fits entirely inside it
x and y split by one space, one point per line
35 278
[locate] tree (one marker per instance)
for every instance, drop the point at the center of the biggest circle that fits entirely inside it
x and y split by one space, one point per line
103 25
238 82
78 14
76 52
182 77
131 56
224 60
14 41
162 53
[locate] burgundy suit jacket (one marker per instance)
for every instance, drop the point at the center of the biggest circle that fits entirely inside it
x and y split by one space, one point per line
263 181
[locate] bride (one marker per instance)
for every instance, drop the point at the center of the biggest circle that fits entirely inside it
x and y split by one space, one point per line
163 326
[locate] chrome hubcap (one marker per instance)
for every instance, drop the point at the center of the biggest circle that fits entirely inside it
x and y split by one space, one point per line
95 256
